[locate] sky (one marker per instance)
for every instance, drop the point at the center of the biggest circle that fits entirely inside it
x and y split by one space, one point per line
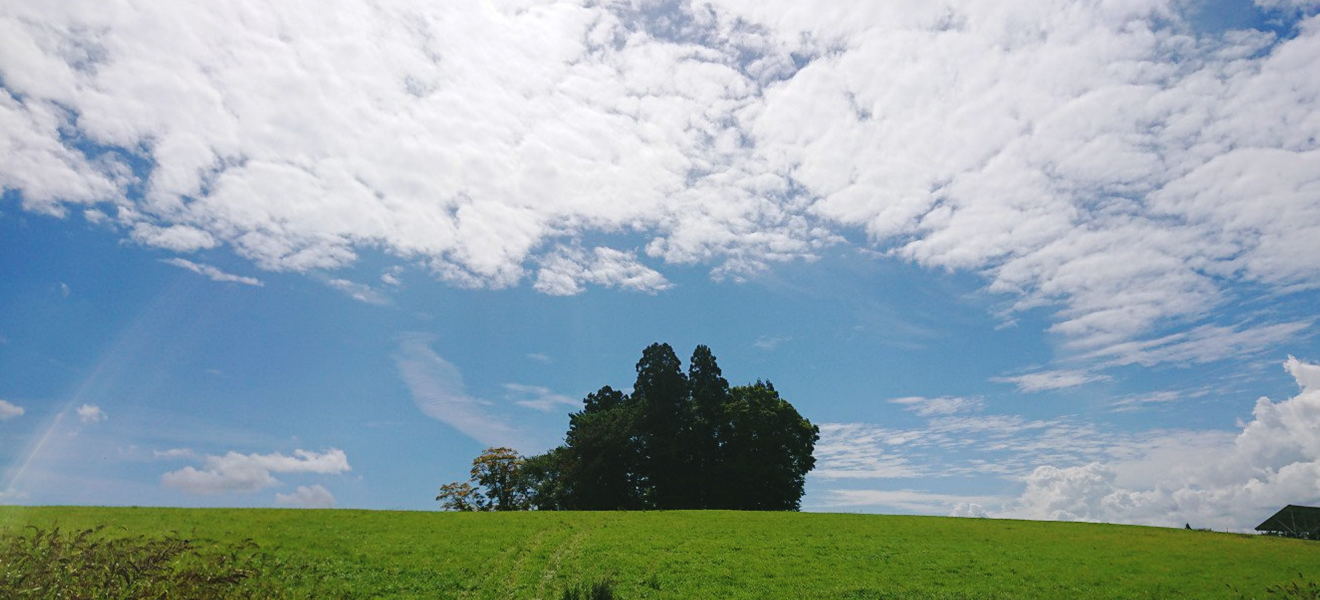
1037 259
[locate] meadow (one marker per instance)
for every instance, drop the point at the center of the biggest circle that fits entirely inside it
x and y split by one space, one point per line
717 555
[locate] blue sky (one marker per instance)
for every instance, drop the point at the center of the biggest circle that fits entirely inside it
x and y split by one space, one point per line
1036 260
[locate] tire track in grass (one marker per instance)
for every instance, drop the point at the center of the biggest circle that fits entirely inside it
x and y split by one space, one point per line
495 575
571 548
502 581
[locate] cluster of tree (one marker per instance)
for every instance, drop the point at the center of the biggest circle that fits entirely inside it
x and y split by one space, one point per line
679 441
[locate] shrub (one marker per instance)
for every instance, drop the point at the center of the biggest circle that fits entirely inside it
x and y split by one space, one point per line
599 590
87 565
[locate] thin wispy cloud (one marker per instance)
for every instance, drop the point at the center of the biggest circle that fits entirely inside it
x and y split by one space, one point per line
359 291
90 413
541 398
1042 381
437 389
944 405
211 272
769 342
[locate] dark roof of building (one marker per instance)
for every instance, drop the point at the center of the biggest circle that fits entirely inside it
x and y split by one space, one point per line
1293 520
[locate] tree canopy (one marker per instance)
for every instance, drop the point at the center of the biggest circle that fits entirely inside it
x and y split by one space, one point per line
678 441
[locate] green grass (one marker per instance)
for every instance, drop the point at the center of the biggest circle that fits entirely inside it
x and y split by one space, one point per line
718 555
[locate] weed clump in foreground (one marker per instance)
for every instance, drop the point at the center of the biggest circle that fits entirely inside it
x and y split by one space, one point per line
599 590
85 565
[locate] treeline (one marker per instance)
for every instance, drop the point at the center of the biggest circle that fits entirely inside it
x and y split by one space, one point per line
678 441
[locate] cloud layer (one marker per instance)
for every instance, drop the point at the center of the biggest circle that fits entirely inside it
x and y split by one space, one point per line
1274 461
1105 160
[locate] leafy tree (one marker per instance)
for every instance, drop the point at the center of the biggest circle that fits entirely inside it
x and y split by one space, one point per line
767 450
678 442
499 480
546 478
602 454
499 472
461 497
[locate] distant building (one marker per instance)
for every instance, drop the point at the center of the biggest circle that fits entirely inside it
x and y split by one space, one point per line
1294 522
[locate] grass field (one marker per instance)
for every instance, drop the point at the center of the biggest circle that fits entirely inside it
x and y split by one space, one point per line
724 555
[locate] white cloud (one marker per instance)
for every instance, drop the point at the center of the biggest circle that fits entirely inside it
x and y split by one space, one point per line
859 451
179 238
769 343
540 398
1049 380
909 500
1100 161
359 291
174 453
945 405
563 273
956 445
1207 479
540 357
245 473
968 509
1206 343
89 413
9 410
437 389
315 496
211 272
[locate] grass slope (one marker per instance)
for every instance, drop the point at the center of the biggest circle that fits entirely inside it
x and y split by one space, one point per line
724 555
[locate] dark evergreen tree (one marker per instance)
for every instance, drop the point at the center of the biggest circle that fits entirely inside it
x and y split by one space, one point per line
710 395
664 429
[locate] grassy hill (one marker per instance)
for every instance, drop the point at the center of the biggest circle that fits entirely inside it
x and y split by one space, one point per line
718 555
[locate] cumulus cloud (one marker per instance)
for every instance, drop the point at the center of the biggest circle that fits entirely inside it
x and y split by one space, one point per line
246 473
315 496
9 410
211 272
90 413
1104 161
563 273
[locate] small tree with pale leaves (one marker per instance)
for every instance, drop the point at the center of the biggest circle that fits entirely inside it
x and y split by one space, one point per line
500 484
